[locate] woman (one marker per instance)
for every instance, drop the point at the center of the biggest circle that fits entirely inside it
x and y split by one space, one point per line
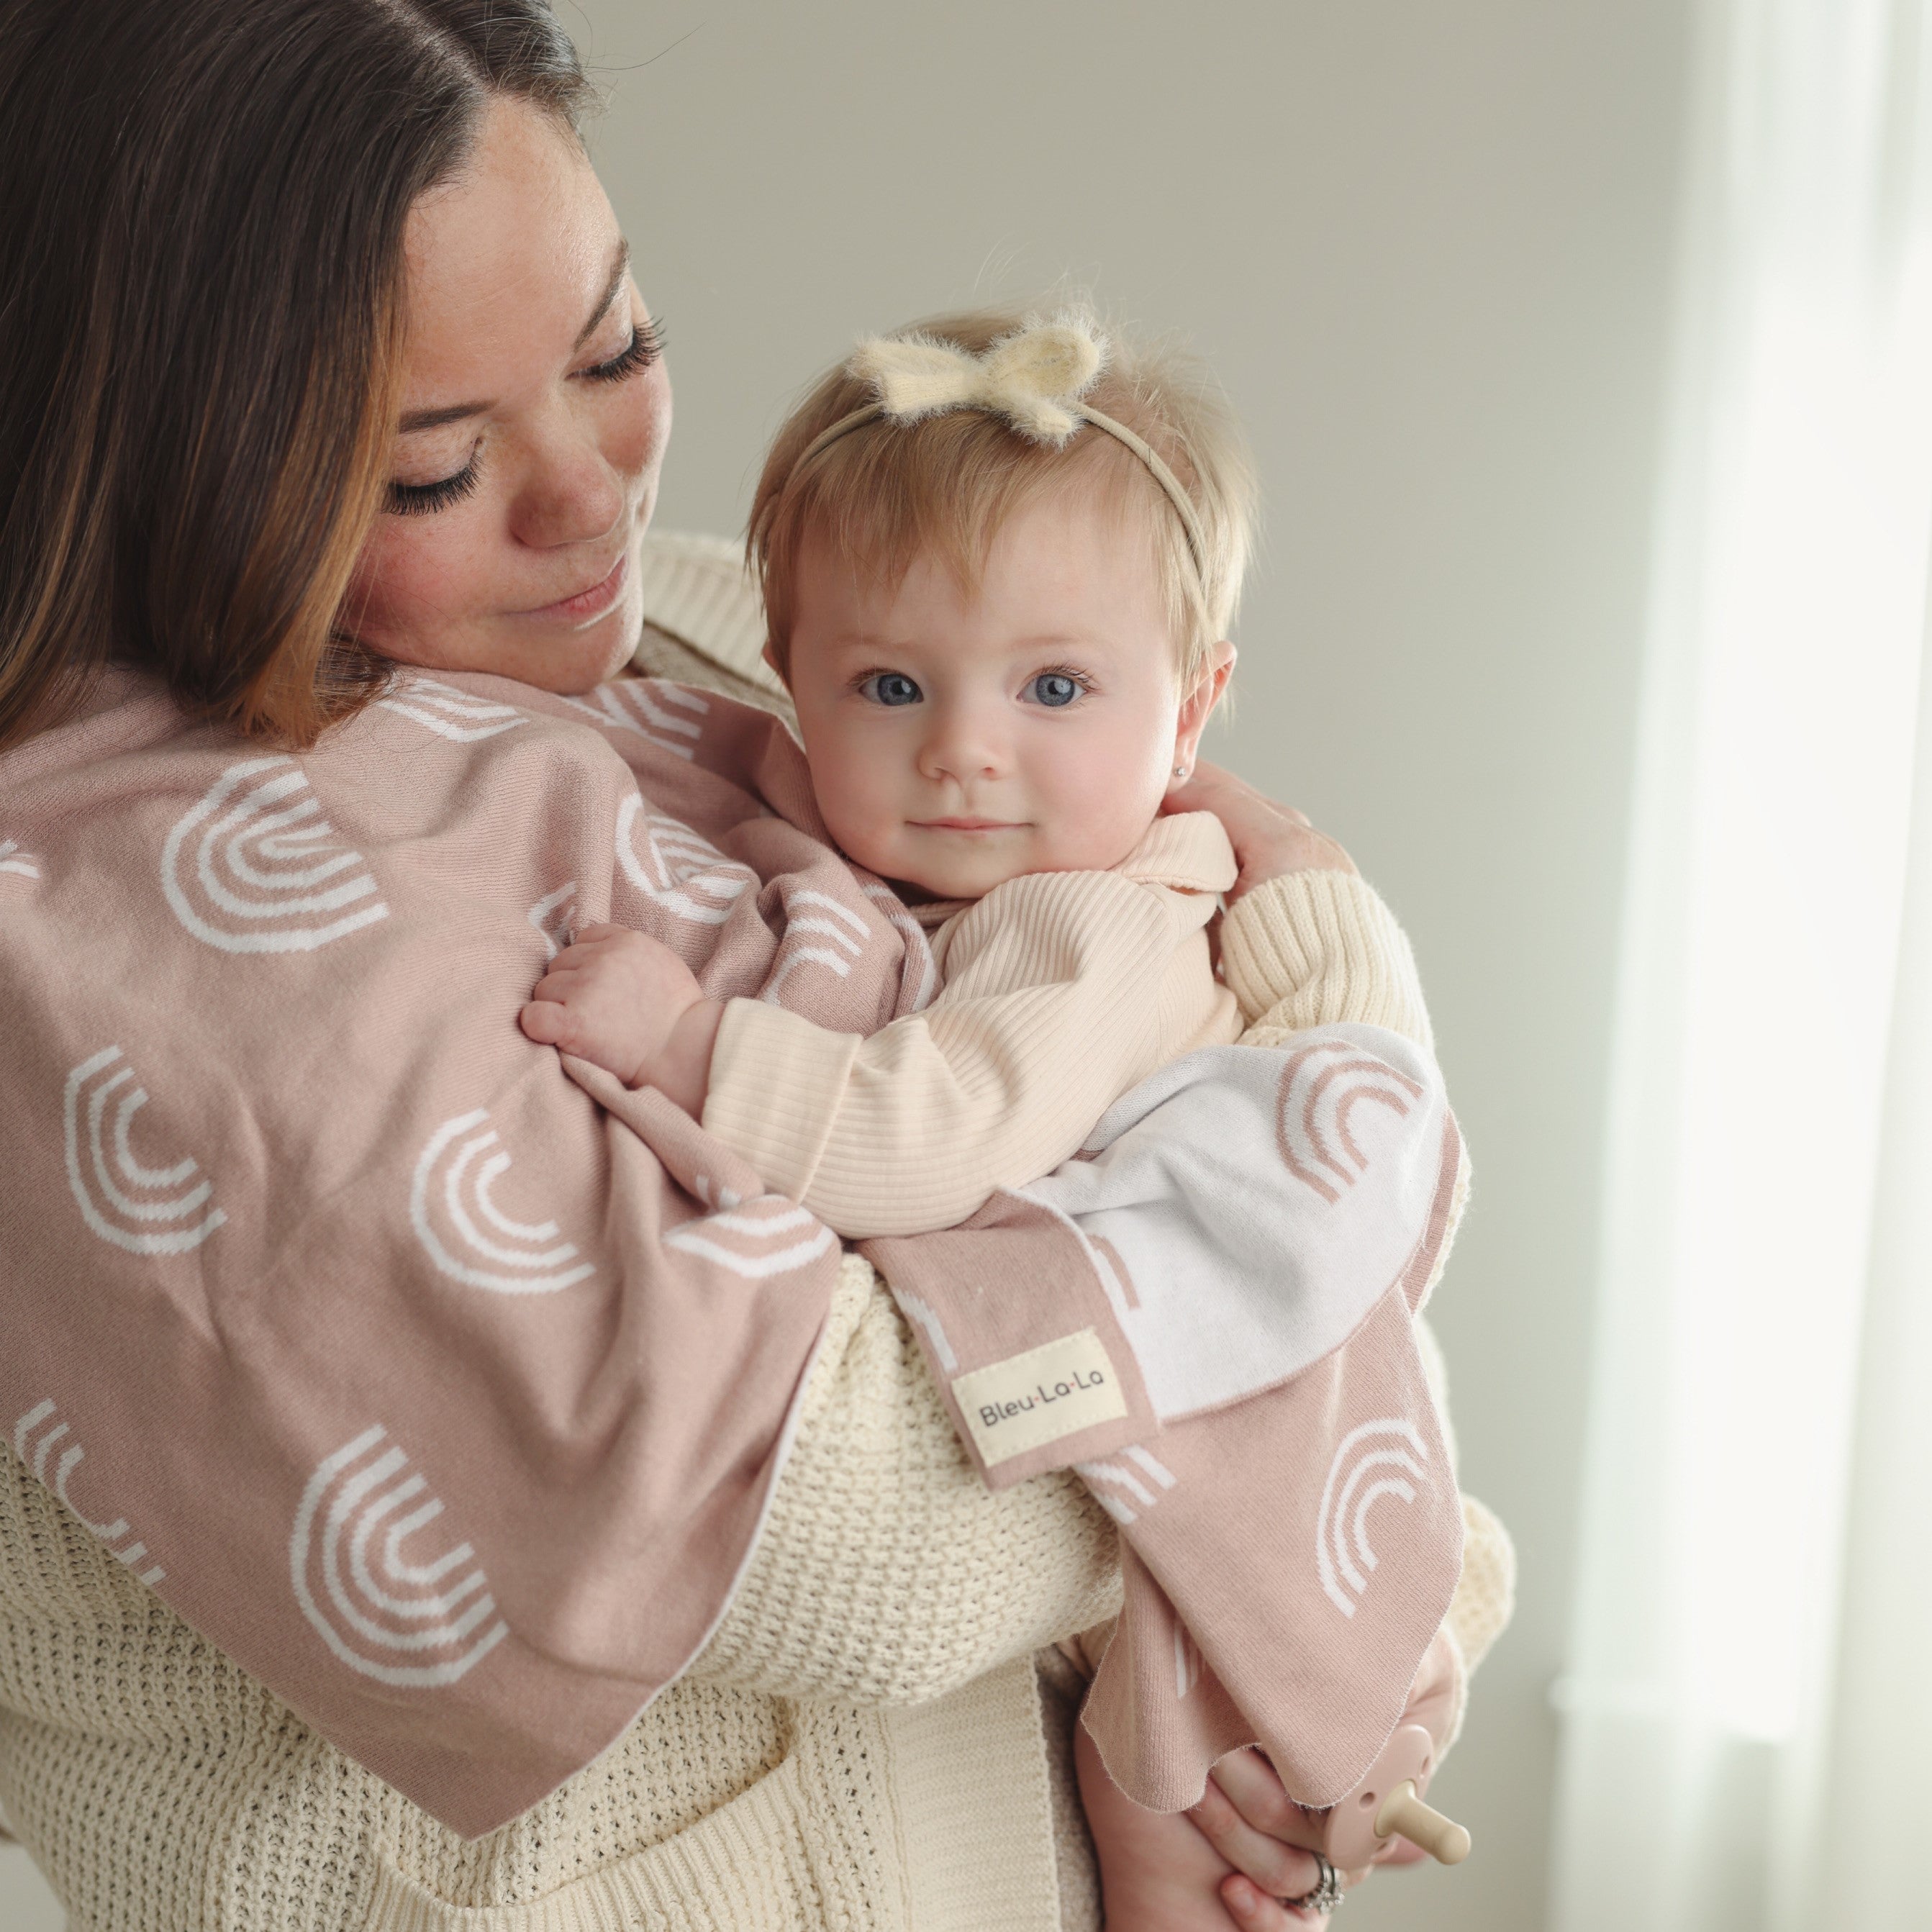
321 355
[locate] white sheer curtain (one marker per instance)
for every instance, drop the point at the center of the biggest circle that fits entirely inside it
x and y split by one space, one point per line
1745 1716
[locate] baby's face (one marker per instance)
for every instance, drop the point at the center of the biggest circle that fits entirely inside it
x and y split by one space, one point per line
958 741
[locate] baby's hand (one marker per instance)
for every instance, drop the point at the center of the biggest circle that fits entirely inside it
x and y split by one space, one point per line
628 1003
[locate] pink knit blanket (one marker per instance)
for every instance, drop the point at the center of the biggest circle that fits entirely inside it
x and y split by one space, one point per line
446 1399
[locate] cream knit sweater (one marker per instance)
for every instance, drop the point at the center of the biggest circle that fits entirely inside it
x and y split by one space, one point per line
866 1744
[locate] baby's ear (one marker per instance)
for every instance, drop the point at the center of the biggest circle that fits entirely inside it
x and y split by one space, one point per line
1211 680
1197 707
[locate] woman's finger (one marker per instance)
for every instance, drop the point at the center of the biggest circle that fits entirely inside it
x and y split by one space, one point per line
1251 1847
1253 1911
1252 1786
1217 782
1269 839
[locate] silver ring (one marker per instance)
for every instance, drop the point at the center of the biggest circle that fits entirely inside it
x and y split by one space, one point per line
1327 1893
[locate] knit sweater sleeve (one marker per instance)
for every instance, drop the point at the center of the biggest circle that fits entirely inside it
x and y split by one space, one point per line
1063 990
1315 948
888 1572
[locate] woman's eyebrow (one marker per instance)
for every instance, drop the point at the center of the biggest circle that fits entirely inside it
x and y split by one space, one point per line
416 419
420 419
620 267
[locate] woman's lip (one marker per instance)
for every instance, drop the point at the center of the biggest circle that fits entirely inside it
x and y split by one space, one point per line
592 602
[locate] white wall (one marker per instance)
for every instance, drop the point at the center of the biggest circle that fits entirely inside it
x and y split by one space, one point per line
1427 247
26 1905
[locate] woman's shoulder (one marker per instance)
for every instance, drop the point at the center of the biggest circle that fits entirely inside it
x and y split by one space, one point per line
121 710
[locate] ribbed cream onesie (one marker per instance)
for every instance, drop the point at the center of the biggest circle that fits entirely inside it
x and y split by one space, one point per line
1061 990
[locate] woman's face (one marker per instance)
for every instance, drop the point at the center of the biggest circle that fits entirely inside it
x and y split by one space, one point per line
535 409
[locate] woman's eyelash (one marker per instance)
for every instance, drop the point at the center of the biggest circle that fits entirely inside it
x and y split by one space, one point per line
424 499
645 346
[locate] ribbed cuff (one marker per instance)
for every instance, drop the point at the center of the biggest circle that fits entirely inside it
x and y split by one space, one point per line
1323 946
777 1082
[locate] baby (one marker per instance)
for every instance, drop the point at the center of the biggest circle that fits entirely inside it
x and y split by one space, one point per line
1000 558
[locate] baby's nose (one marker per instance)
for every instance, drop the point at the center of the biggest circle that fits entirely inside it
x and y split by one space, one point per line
960 759
963 745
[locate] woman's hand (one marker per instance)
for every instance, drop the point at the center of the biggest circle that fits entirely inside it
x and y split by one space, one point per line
628 1003
1270 840
1247 1815
1251 1821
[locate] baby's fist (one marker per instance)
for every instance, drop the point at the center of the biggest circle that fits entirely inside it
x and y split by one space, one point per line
612 996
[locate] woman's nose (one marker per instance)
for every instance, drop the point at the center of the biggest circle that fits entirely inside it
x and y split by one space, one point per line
570 494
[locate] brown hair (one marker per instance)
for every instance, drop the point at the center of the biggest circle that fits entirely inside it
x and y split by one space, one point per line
201 272
945 484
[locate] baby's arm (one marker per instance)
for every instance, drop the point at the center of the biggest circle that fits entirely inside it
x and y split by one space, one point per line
1062 992
1004 1075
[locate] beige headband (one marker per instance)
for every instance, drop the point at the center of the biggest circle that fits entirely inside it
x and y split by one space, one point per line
1033 380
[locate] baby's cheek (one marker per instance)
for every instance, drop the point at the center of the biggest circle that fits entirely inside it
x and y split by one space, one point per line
861 824
1099 812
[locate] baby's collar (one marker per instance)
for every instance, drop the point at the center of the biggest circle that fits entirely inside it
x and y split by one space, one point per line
1185 851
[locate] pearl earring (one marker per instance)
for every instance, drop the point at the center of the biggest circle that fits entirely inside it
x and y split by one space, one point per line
1181 771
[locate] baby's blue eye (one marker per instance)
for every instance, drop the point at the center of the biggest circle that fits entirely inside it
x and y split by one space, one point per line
891 687
1055 689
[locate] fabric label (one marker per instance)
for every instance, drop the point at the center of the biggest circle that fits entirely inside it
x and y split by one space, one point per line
1049 1392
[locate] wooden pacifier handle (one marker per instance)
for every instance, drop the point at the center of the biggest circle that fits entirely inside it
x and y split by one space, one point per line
1404 1815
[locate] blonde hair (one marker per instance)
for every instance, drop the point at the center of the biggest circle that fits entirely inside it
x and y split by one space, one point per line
947 484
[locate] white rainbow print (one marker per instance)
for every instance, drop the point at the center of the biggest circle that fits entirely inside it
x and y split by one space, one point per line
672 867
452 1201
807 931
1118 1488
666 714
253 866
1378 1459
1186 1662
756 1239
414 1623
147 1211
449 712
551 916
36 1435
1322 1087
22 865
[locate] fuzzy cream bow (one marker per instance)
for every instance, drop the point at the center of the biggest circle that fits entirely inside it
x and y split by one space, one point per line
1032 378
